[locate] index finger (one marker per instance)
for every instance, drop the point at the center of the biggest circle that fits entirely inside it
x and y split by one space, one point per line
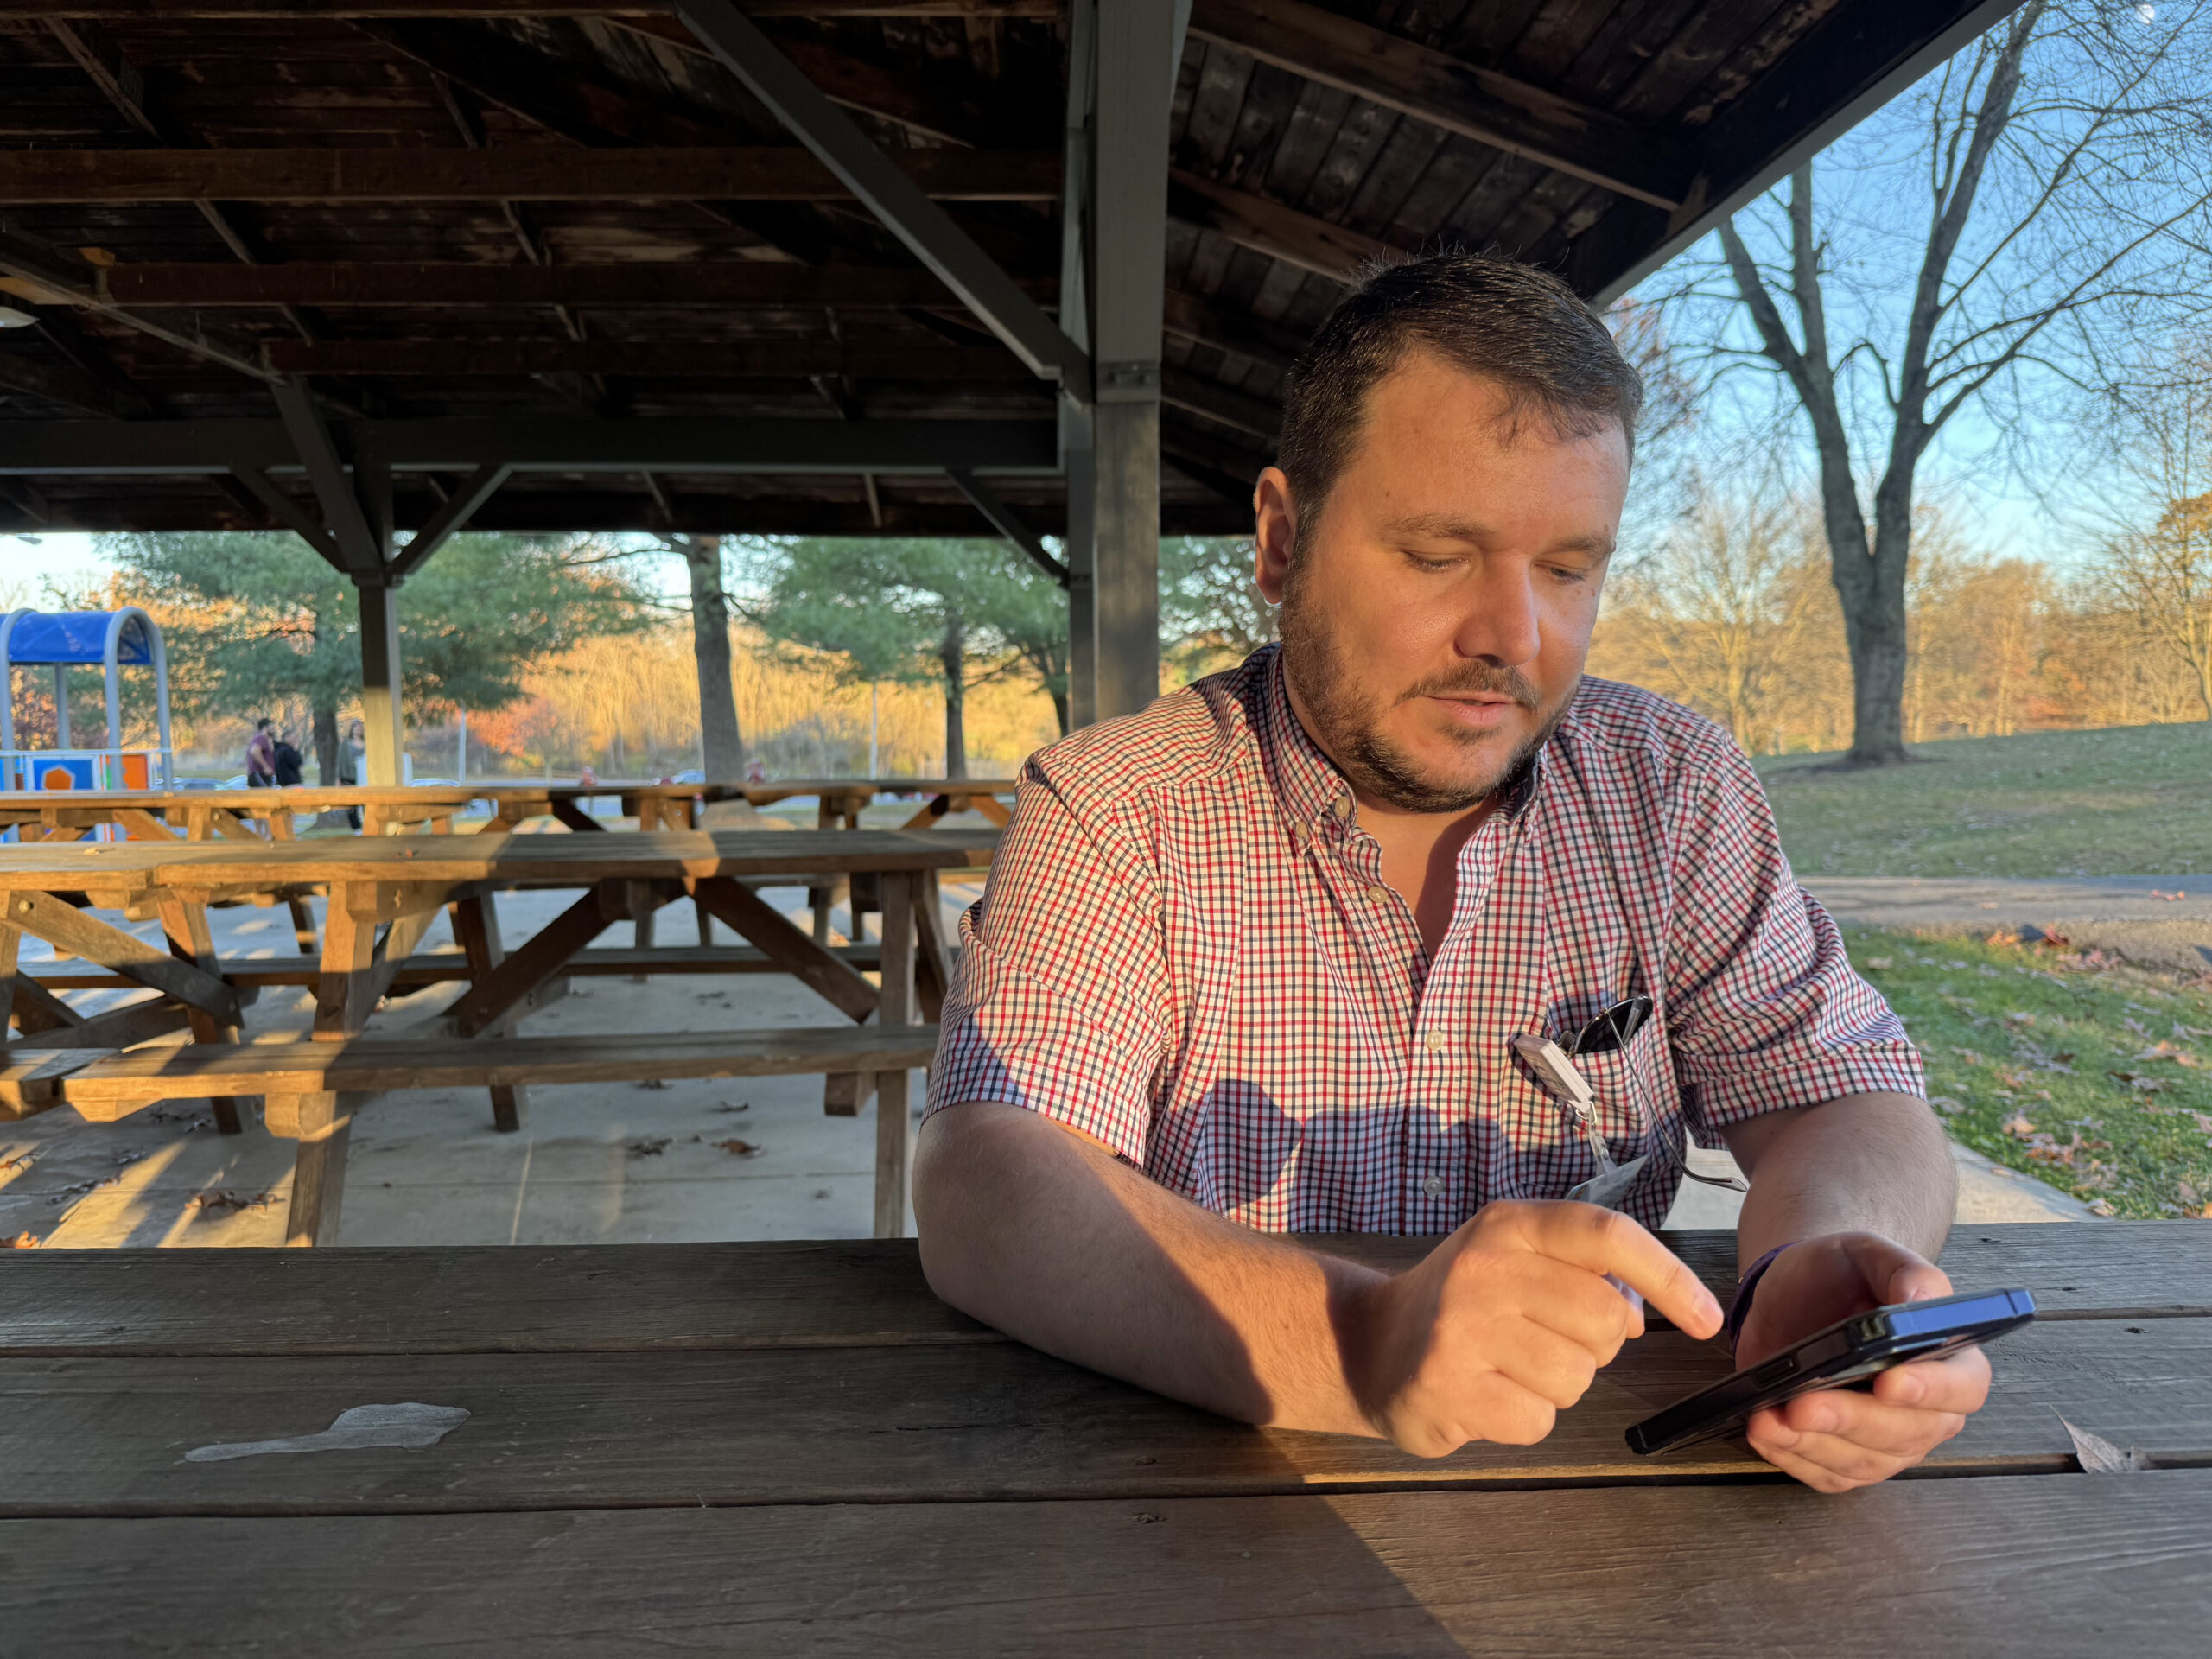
1607 1241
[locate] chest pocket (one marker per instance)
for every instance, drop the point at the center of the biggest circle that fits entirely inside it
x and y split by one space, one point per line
1635 1087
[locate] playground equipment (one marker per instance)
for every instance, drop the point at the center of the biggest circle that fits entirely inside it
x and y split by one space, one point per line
114 640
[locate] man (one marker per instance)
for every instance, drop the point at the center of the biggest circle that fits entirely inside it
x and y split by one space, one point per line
261 756
286 760
1253 960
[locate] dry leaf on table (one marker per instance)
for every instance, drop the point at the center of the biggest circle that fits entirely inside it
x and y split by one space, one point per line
2098 1456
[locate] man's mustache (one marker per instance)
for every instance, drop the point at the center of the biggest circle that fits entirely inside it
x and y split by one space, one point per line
1479 677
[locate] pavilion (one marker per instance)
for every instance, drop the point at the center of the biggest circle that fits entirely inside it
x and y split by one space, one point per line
376 270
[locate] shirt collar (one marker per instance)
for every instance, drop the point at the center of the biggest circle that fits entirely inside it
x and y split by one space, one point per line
1315 799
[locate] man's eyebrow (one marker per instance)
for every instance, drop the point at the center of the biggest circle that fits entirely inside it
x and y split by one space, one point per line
1440 527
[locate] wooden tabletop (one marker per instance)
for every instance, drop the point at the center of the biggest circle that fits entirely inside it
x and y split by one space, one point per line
126 867
795 1448
315 798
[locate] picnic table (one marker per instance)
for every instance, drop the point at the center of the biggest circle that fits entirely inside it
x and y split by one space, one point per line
383 894
795 1448
233 814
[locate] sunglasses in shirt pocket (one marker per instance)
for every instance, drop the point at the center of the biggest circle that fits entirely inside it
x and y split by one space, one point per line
1633 1087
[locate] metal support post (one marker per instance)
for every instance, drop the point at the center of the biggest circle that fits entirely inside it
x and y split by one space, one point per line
1137 49
381 681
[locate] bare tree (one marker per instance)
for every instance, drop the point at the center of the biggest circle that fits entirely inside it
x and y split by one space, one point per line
2164 574
2062 160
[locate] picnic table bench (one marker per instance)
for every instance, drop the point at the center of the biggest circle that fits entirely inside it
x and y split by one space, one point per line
795 1448
384 893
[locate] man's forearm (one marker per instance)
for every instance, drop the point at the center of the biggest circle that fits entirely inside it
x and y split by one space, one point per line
1051 1240
1864 1163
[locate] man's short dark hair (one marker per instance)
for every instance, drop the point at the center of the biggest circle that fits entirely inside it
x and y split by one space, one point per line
1504 321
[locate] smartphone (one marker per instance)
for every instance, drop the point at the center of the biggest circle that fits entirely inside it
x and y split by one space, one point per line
1848 1352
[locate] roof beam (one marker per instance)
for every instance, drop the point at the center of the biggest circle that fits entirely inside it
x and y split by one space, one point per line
259 10
763 359
459 507
1846 66
41 273
892 192
292 514
61 383
1192 317
728 285
1006 522
359 549
1440 90
749 174
1269 227
118 448
1180 389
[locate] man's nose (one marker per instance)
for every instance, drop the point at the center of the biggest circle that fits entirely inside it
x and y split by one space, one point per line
1501 620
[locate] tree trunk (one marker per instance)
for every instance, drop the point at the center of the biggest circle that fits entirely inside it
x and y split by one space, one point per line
722 745
952 654
326 742
1870 584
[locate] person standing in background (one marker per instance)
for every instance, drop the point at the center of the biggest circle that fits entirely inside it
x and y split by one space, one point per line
286 761
261 757
351 757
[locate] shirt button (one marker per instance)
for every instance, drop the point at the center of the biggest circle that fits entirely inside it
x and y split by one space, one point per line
1434 1186
1377 895
1436 1040
1341 806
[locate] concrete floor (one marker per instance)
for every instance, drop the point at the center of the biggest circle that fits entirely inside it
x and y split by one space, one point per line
747 1159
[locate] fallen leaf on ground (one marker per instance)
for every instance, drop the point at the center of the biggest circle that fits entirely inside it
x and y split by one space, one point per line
233 1200
2021 1017
740 1148
2098 1456
23 1242
742 1106
1878 964
650 1082
1967 1055
1946 1104
2019 1126
651 1149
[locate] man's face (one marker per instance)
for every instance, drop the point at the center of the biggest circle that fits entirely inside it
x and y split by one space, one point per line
1435 619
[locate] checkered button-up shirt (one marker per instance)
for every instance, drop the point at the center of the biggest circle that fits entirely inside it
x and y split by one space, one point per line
1186 948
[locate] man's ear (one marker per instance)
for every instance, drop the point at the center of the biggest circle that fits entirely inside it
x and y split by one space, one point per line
1275 533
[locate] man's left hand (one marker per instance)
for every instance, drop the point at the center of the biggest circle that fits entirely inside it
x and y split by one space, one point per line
1835 1440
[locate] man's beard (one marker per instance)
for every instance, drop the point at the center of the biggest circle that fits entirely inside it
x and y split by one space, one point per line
1349 722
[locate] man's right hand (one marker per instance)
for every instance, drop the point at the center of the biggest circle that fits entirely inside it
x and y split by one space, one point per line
1507 1321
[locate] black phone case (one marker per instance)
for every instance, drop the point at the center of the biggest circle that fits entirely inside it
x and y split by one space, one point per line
1847 1352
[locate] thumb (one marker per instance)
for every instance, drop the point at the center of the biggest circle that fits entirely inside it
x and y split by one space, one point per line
1915 1282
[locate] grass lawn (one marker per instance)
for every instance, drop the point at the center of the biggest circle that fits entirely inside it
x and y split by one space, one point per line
2091 1076
2134 800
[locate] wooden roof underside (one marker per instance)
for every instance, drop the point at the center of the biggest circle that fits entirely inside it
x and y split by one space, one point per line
508 212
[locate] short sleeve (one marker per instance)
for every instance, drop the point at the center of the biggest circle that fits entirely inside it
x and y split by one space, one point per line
1765 1013
1059 1001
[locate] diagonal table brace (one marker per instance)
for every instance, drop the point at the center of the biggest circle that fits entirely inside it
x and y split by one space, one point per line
71 930
761 925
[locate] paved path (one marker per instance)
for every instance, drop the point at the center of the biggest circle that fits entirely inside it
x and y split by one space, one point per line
2154 921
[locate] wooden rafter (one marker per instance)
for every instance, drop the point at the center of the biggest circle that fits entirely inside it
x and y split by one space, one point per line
724 286
762 174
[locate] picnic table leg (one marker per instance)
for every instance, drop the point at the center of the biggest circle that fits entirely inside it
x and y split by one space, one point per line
895 1007
186 924
303 923
476 924
322 1122
932 973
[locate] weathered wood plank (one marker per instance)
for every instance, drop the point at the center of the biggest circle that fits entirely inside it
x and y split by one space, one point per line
840 1293
969 1424
2061 1566
123 1082
826 1292
86 935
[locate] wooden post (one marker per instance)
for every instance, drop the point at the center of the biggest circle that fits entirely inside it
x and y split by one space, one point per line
895 1007
185 924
